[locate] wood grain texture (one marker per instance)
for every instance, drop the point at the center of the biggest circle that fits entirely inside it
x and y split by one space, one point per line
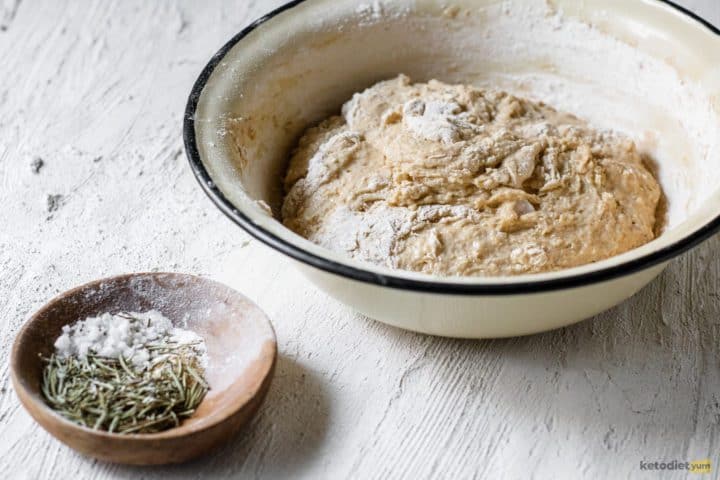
96 89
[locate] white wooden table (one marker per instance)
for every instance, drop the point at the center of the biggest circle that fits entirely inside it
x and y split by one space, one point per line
96 90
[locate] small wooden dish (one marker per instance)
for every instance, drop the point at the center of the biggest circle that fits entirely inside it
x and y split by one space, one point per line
241 351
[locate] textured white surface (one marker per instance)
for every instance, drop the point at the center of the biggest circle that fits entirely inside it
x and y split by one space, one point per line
97 89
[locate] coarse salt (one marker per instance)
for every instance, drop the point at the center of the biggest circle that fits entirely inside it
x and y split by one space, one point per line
126 335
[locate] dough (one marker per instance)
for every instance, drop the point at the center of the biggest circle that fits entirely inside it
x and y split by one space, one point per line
457 180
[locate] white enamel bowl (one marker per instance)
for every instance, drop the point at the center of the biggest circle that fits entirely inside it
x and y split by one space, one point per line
646 67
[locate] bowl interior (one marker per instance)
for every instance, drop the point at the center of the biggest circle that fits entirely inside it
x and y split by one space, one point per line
240 342
641 67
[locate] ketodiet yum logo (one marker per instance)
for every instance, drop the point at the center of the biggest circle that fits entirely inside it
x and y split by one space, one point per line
697 466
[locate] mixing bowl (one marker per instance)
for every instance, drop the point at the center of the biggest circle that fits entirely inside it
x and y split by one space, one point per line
647 68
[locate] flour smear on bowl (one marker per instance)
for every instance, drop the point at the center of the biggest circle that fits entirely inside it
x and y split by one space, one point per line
600 70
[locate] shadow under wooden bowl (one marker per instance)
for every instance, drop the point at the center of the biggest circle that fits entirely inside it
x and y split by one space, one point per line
241 346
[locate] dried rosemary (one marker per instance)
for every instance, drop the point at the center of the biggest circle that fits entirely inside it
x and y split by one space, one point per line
114 395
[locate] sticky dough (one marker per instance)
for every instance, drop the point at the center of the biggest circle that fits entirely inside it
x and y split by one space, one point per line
457 180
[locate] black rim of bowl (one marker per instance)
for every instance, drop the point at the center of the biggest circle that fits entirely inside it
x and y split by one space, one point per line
531 286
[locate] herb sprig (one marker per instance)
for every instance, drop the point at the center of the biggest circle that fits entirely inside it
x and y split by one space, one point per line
112 394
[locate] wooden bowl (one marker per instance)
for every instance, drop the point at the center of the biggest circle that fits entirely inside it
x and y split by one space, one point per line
241 358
